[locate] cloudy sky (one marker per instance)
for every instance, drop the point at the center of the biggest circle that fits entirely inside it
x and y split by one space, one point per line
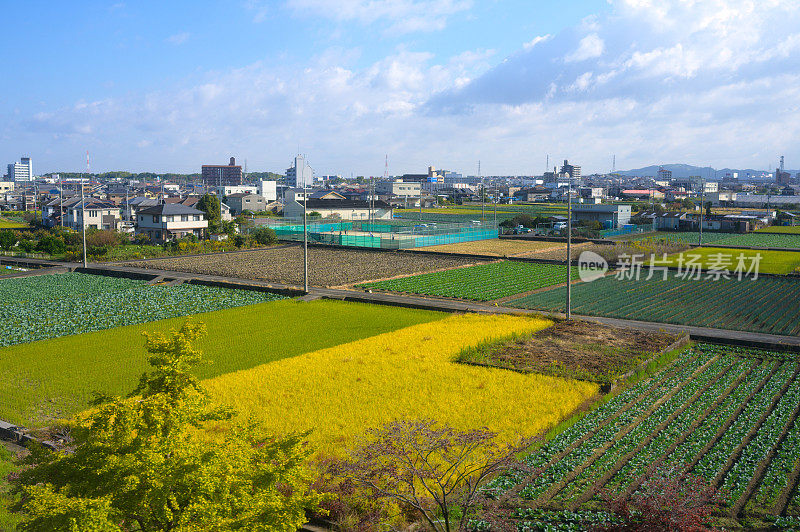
168 86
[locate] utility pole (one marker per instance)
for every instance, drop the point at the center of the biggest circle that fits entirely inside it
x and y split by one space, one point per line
495 201
61 199
702 207
83 212
305 238
569 248
483 191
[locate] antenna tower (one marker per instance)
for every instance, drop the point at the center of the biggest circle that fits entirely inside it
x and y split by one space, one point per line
386 168
613 163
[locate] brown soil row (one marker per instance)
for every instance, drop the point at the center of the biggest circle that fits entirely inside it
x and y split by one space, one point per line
736 509
556 488
725 426
602 481
633 486
738 451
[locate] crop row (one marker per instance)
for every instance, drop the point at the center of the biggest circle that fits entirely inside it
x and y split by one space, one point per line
567 467
731 420
483 282
588 425
739 477
646 428
715 460
678 429
761 240
767 304
49 306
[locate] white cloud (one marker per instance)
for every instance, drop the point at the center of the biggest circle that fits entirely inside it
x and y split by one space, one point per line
179 38
590 47
536 40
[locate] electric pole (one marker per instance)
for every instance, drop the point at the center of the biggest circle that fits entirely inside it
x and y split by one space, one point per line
569 248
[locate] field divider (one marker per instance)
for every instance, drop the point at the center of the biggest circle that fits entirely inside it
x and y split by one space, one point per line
556 488
725 426
602 481
738 451
633 486
761 470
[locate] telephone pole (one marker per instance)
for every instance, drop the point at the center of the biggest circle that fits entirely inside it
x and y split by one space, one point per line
569 248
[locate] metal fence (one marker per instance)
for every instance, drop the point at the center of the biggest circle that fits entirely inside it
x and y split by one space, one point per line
390 235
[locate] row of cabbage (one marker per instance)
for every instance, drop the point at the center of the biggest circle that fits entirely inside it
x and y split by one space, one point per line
50 306
729 414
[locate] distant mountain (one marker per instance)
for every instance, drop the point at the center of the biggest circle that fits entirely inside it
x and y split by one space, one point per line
687 170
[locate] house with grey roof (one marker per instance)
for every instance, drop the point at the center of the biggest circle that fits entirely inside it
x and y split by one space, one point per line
170 221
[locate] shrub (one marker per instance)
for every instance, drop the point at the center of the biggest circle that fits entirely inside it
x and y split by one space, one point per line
265 236
8 239
51 245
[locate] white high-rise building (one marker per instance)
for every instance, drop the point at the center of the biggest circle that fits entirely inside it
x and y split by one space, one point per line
301 175
21 171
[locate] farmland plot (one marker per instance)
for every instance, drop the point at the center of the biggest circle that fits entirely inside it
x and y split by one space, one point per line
767 304
49 306
726 415
761 240
326 266
484 282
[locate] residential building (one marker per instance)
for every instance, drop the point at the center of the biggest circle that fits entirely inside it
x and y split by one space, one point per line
239 203
341 209
609 215
664 175
239 189
99 215
399 192
21 171
218 175
300 174
573 171
6 187
170 221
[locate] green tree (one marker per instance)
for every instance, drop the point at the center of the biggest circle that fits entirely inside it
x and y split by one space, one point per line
209 204
265 236
143 463
7 239
51 245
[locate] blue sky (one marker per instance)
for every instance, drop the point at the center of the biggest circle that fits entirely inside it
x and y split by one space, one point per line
168 86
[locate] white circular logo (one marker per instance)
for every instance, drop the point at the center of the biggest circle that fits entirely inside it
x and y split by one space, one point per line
591 266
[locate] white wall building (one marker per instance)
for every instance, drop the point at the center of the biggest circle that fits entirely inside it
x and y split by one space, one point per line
268 189
21 171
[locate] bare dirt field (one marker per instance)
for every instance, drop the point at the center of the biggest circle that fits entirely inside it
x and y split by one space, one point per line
577 349
497 247
326 266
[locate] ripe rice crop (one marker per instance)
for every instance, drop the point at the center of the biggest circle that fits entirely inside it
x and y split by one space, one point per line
727 419
767 304
49 306
326 266
484 282
341 391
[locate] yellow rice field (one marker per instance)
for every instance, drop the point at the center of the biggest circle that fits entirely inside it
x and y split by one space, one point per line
340 392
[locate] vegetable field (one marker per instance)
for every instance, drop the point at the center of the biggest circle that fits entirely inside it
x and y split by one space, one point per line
726 415
49 306
781 229
761 240
767 304
771 261
484 282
